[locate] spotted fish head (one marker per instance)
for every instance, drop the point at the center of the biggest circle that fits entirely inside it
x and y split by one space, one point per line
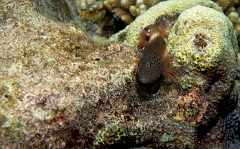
155 60
151 64
144 36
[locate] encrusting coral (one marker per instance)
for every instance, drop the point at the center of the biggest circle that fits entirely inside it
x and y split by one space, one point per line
61 89
208 57
205 45
110 135
192 106
130 34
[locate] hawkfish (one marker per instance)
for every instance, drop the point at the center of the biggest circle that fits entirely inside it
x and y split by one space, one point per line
155 59
162 25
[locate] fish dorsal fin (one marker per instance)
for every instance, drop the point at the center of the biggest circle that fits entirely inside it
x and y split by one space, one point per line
156 37
158 43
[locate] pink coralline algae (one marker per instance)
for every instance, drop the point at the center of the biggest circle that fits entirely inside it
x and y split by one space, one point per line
193 105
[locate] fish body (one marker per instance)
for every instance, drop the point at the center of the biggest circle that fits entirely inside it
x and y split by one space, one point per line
155 59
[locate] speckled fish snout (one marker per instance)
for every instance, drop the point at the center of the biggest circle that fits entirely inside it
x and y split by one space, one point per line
151 63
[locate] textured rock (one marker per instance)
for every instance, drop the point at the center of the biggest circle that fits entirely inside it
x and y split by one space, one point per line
226 132
61 10
38 56
60 89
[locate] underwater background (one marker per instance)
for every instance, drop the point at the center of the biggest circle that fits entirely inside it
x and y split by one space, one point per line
69 74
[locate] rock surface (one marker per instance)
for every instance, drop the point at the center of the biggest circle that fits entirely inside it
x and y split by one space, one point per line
61 89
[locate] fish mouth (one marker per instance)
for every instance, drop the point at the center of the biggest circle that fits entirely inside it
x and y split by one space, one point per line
144 80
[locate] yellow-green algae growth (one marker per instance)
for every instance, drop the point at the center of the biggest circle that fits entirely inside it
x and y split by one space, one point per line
60 89
204 45
110 135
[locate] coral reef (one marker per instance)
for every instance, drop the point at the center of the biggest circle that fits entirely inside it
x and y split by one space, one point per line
110 16
231 9
90 9
205 46
61 89
206 51
130 34
126 10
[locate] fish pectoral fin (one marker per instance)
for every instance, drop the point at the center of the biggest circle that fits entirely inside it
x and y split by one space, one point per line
169 72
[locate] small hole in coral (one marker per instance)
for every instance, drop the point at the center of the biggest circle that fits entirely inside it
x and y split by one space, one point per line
127 118
202 40
199 41
185 22
122 37
79 55
76 47
97 59
6 95
67 89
